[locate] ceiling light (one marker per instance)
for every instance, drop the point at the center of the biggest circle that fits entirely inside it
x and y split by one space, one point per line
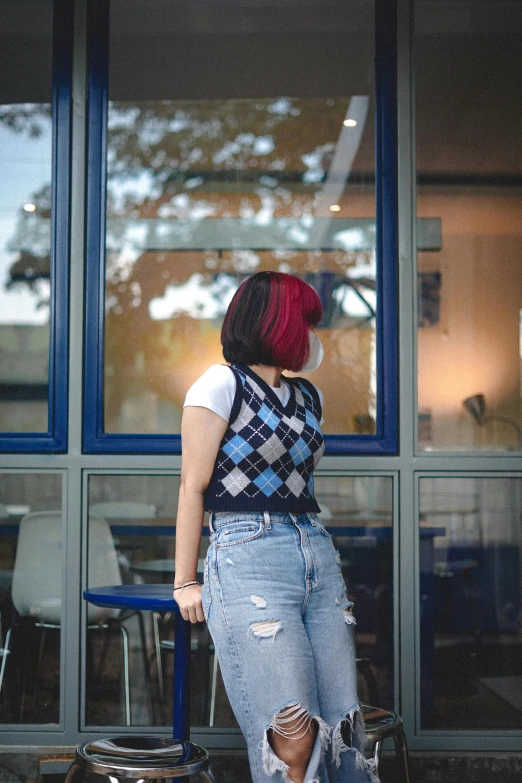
335 208
30 207
350 123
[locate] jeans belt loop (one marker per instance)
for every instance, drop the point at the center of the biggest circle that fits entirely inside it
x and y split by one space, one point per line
210 520
266 520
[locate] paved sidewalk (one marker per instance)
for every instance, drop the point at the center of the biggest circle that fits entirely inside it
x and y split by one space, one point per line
21 765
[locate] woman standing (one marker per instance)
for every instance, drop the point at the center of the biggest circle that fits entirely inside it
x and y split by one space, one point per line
273 596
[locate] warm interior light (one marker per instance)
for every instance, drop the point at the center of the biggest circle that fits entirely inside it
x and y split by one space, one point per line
335 208
30 207
350 123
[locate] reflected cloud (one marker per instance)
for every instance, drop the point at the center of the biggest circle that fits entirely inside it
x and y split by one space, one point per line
195 299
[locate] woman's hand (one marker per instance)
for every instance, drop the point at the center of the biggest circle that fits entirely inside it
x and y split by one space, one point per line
189 601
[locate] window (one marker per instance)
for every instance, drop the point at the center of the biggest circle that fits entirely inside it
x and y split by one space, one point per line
34 138
31 606
237 139
469 180
469 600
131 537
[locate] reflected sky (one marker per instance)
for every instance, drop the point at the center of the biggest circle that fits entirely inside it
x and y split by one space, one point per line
25 168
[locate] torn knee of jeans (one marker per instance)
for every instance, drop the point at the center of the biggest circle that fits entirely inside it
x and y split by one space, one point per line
266 629
349 735
258 601
291 722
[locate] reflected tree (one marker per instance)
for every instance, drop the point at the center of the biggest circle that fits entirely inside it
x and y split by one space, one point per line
182 162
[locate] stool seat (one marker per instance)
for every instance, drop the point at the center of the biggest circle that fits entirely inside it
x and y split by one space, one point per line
380 724
377 720
140 757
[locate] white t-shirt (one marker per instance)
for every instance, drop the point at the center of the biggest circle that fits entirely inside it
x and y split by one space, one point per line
216 389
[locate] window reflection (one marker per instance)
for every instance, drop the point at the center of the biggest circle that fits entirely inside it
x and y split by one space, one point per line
140 513
31 531
470 610
25 202
470 287
205 190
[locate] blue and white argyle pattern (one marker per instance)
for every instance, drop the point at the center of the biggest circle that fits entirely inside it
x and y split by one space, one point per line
268 453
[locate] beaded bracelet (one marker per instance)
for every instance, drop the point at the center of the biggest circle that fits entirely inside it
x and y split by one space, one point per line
187 584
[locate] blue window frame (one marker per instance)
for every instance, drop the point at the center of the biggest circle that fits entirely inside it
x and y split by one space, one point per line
384 441
55 439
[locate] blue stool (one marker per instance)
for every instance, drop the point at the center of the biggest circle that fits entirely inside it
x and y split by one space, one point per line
157 598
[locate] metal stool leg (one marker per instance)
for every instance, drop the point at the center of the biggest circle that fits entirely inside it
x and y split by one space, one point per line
401 749
157 649
126 677
71 772
5 653
146 670
377 748
208 776
213 691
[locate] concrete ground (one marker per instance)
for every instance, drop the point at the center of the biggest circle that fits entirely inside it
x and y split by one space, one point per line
49 765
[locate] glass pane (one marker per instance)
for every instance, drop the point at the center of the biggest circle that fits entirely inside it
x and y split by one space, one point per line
258 154
470 610
25 202
132 521
358 513
469 132
131 540
31 531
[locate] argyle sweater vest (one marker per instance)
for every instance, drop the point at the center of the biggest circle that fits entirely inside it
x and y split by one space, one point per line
267 456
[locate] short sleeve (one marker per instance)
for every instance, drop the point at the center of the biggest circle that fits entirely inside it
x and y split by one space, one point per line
215 390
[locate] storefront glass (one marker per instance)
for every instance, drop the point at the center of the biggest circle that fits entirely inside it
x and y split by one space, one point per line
31 572
470 583
240 138
131 534
25 203
468 86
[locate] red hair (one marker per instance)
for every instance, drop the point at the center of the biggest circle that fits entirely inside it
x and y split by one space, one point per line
268 321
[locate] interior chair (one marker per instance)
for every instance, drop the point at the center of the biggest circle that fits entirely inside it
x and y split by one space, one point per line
37 583
124 510
6 574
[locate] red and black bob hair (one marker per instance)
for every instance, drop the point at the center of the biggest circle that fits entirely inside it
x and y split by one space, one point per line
268 321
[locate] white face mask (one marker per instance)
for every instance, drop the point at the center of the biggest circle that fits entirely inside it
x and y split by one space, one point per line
316 354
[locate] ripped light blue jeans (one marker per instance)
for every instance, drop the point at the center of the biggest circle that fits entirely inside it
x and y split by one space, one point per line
275 602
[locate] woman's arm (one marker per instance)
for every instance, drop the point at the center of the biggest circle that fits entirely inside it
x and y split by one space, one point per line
202 431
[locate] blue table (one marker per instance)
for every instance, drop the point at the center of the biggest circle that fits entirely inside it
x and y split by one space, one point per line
157 598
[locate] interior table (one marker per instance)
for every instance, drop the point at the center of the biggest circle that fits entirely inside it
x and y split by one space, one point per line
157 598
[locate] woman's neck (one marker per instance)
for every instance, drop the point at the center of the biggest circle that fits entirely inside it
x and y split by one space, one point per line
270 375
